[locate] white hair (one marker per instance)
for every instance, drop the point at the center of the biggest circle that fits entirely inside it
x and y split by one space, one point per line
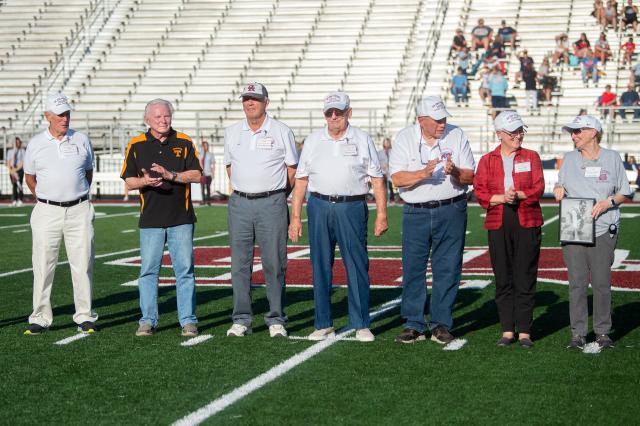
158 101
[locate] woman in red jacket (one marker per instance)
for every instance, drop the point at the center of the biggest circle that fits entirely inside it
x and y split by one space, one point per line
509 183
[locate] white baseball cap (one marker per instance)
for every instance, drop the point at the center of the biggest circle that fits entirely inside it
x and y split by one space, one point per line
583 121
337 100
508 120
255 90
432 106
57 103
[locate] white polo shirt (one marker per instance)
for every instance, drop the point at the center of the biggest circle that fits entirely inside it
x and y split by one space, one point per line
339 167
60 166
259 159
11 156
411 153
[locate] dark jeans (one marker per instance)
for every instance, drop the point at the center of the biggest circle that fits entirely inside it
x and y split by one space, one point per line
636 112
18 193
514 252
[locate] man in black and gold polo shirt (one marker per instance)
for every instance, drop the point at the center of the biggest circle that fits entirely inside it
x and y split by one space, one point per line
162 164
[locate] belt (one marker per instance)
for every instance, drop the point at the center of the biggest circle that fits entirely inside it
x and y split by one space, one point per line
253 196
437 203
64 203
339 198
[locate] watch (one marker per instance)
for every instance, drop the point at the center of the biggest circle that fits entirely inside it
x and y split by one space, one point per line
174 175
613 202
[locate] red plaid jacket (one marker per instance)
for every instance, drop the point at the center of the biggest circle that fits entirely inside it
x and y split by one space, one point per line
489 181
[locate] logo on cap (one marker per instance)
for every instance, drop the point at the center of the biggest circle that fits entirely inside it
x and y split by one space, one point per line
251 88
438 106
332 98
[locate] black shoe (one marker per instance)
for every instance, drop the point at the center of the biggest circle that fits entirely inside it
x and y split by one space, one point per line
577 342
87 327
35 329
441 335
505 341
604 341
525 343
409 335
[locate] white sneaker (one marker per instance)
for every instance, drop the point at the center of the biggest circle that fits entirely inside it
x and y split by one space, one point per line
14 203
19 203
323 333
277 330
364 335
238 330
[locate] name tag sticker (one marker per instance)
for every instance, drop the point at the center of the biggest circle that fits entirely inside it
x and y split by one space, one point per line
69 150
522 167
592 172
349 149
265 143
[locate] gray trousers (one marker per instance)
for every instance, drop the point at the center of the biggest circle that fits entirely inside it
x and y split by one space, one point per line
584 262
263 221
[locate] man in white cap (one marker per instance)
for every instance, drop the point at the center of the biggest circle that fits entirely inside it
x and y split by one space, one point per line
591 171
432 164
261 158
337 164
58 169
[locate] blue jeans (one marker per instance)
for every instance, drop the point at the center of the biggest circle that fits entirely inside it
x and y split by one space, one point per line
346 224
180 241
440 231
592 71
460 94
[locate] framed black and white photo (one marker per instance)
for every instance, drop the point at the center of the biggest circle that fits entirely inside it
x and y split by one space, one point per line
576 223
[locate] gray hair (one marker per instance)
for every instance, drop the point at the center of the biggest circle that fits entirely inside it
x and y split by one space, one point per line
158 101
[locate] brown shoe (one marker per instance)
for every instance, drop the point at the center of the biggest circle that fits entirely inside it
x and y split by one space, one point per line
409 335
441 335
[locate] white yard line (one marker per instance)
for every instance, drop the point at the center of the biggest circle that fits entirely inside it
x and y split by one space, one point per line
196 340
237 394
71 339
551 220
22 225
18 231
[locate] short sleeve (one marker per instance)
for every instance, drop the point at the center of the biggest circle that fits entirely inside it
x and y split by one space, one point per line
227 155
91 159
303 162
29 165
290 154
192 162
129 168
466 155
399 155
373 169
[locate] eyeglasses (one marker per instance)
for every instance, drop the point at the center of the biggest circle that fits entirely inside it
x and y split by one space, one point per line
428 154
517 132
578 131
338 112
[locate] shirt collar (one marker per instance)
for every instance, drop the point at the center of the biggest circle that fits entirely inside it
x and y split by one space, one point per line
152 138
348 135
66 136
264 128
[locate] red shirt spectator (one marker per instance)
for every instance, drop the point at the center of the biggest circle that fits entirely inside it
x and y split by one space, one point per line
489 180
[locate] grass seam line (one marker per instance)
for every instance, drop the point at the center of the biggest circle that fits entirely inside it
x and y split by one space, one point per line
197 340
256 383
71 339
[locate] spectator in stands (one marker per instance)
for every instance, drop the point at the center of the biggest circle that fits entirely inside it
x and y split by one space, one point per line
628 48
590 171
562 49
602 49
337 164
463 59
607 101
15 163
610 16
508 34
497 49
460 87
631 161
208 165
383 159
483 90
530 77
162 164
629 16
509 183
524 59
630 98
635 75
459 42
261 158
498 87
547 81
581 46
598 12
481 36
432 164
582 111
589 68
58 168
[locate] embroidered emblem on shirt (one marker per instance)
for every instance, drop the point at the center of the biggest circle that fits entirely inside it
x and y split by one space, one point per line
177 152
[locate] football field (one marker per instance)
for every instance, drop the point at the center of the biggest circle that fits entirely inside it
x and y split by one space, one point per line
113 377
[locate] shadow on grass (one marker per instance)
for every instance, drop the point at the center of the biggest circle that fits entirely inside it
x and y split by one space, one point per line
626 318
554 318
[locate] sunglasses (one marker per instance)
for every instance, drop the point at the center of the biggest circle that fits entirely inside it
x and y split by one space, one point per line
516 132
338 112
578 131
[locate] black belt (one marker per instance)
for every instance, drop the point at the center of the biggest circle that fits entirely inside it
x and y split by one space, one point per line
64 203
339 198
437 203
253 196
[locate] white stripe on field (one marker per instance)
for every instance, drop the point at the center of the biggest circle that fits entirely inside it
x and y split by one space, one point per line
196 340
20 230
455 344
553 219
72 339
22 225
230 398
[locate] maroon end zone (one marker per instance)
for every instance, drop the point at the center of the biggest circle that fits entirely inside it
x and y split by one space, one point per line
385 271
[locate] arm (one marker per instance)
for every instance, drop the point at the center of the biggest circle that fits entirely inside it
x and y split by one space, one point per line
406 179
187 176
380 193
31 181
291 175
229 171
463 176
532 195
89 176
295 226
481 186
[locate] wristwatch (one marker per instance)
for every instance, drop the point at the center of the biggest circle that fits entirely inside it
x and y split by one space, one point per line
174 175
613 202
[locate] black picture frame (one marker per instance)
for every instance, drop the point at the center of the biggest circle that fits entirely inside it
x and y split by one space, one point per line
576 224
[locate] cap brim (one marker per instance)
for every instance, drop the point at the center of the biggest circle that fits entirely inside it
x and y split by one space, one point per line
513 128
60 110
571 126
438 115
341 107
252 96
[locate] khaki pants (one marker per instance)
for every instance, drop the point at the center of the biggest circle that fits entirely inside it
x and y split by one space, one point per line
49 225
